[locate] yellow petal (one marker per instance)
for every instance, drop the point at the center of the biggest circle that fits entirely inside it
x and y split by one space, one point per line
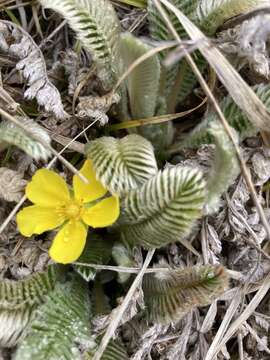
69 243
47 189
36 219
88 192
103 214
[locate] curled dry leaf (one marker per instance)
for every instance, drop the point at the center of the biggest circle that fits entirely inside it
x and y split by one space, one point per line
33 67
96 107
213 246
71 64
135 304
263 322
11 184
246 44
147 340
260 165
200 349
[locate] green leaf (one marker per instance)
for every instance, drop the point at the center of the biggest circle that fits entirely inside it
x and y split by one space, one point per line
188 78
19 300
12 134
99 301
96 251
97 27
122 164
164 209
61 325
200 134
160 135
159 31
123 257
115 351
136 3
169 295
236 118
143 81
225 168
143 89
214 13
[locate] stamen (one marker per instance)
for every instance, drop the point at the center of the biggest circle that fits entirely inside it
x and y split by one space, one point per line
71 210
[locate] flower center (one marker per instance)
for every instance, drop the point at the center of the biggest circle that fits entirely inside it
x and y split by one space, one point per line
71 210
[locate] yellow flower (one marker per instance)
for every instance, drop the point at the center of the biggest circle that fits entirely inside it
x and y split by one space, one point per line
54 206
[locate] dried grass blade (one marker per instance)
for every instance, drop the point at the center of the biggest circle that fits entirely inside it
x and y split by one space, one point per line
249 310
224 325
116 316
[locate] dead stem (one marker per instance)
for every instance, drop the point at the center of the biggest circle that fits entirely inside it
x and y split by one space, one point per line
118 312
133 270
214 349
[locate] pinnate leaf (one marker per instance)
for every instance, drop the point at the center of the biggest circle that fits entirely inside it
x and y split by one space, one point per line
164 209
60 326
19 300
96 26
169 295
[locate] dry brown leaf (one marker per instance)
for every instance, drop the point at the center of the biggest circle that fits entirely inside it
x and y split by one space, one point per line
11 184
33 67
96 107
261 165
246 44
147 340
